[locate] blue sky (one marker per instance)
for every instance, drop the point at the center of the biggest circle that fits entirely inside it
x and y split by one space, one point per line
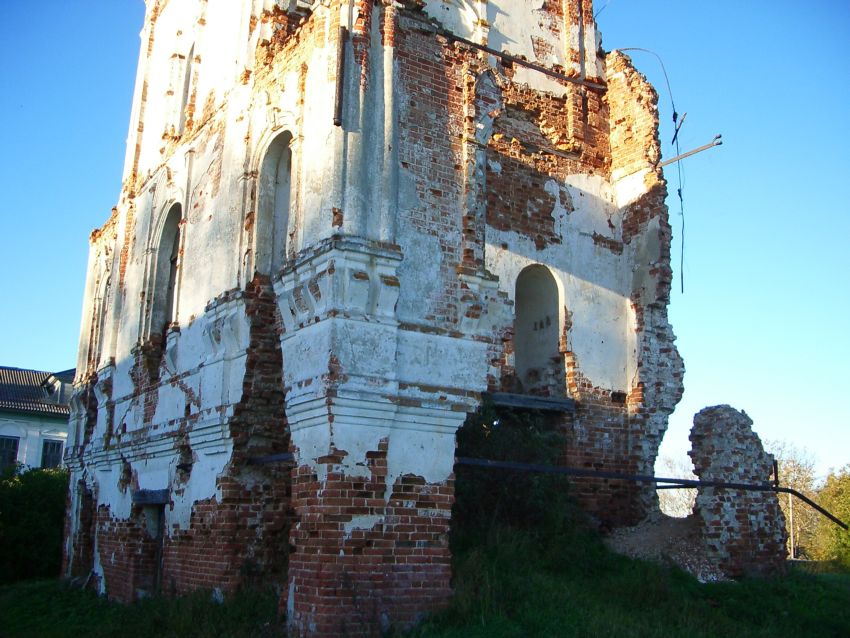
763 322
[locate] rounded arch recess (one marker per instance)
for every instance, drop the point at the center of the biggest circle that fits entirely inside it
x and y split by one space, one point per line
538 321
274 203
164 272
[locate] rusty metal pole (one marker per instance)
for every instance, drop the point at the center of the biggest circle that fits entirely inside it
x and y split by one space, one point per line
340 75
715 142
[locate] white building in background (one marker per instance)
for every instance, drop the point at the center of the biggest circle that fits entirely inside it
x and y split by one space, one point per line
33 416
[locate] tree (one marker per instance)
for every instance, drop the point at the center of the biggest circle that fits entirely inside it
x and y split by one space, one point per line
797 471
676 502
830 542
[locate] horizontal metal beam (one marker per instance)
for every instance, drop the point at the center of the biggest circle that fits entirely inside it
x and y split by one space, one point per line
644 478
531 402
151 497
283 457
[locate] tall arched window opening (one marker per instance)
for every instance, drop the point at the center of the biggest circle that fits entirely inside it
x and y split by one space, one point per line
274 203
101 308
187 85
538 360
172 278
164 306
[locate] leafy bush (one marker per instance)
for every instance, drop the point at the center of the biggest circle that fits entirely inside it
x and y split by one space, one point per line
32 516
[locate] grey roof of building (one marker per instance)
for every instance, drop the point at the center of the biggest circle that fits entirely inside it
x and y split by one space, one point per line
24 392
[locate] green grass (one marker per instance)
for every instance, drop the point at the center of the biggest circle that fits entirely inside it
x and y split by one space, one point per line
524 565
50 609
516 584
512 584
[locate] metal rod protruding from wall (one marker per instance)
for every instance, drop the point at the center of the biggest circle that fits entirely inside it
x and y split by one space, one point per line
715 142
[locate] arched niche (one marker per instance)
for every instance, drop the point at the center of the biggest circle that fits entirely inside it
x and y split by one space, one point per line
537 326
167 256
275 186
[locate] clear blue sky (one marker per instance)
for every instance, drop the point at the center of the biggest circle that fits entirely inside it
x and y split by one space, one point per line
763 323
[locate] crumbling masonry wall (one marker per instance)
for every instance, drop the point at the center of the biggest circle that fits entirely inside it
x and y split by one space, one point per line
744 531
271 282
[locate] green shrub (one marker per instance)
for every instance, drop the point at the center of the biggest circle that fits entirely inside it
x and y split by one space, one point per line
32 516
491 499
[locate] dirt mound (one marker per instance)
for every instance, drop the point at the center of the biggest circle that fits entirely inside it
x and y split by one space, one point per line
667 540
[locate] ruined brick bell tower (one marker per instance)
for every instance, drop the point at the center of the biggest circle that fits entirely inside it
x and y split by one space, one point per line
341 223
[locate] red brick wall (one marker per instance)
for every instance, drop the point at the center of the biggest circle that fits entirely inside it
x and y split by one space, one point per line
127 555
356 583
243 539
78 550
537 137
744 531
238 539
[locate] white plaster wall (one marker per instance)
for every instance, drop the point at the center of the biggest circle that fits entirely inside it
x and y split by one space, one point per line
426 450
317 172
512 26
212 347
110 492
458 16
218 45
435 360
153 467
174 31
596 282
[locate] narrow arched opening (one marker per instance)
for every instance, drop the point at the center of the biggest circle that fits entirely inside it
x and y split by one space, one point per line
99 330
185 90
164 306
274 204
537 357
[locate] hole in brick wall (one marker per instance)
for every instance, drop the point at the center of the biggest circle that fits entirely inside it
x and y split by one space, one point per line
678 503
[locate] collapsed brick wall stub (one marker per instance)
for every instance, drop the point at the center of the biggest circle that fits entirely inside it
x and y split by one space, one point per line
362 338
743 531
